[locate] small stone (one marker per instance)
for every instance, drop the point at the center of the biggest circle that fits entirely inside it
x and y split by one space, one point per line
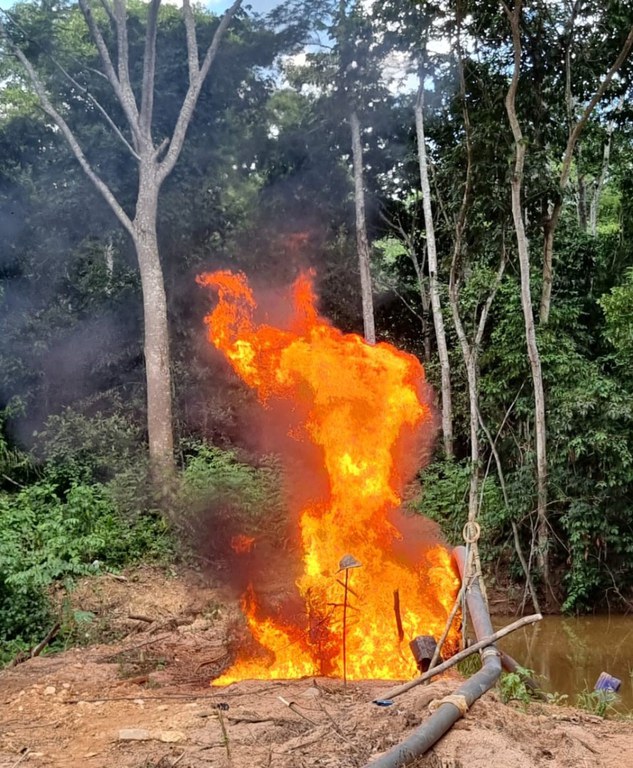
162 708
66 685
171 736
140 702
50 690
133 734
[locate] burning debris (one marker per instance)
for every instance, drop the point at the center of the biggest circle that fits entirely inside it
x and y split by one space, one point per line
365 410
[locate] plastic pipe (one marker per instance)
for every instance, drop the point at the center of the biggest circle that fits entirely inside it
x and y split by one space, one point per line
447 714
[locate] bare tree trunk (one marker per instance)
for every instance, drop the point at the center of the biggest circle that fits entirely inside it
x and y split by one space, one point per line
526 303
156 337
426 305
597 190
470 353
362 243
582 203
436 304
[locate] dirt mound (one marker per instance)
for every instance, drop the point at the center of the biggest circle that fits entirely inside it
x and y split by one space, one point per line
145 702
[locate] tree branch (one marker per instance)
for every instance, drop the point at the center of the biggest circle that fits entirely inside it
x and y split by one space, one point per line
192 43
123 65
83 89
70 138
149 70
105 4
130 113
578 127
574 134
193 92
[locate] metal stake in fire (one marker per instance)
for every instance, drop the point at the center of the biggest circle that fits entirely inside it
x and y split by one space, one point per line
346 562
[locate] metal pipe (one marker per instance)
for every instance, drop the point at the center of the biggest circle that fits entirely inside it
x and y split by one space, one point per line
447 714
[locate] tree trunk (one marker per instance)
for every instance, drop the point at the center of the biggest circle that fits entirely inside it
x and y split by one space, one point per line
436 304
526 303
156 336
597 191
362 243
426 305
582 203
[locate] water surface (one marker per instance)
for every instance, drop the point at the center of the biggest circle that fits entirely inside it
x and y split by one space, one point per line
568 654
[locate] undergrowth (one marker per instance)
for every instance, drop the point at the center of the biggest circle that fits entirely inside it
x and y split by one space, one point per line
512 686
598 703
49 535
85 516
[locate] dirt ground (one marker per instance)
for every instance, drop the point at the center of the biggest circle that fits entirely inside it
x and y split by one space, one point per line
144 701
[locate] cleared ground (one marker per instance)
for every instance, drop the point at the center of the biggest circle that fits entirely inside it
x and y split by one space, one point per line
145 701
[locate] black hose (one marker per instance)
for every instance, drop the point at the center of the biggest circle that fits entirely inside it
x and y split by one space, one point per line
447 714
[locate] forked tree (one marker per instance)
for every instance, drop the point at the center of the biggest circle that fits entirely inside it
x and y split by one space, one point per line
155 159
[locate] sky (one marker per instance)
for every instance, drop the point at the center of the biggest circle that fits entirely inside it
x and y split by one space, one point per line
259 6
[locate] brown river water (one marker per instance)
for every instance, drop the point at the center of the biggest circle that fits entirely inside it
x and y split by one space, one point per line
568 654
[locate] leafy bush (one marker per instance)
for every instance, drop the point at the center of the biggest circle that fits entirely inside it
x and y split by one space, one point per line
212 473
50 535
512 686
444 499
81 448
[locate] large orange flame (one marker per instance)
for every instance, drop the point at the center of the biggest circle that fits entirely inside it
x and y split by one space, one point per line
364 406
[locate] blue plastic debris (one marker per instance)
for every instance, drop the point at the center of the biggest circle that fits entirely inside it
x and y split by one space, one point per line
383 702
607 683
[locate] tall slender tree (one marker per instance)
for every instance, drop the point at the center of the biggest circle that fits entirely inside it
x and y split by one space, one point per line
514 17
348 43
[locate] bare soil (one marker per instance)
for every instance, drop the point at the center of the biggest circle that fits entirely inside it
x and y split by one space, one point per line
144 701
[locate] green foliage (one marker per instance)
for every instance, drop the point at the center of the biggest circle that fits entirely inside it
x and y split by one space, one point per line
51 535
599 703
14 463
618 310
213 473
444 498
468 666
85 447
512 686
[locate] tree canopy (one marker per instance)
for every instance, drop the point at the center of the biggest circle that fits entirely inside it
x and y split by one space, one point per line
265 183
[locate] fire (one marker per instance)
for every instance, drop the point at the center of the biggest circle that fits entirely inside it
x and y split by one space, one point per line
362 406
241 544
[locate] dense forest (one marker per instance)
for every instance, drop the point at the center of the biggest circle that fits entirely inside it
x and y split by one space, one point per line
458 174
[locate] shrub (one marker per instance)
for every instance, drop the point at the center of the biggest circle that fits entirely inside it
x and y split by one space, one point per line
50 535
215 476
81 448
